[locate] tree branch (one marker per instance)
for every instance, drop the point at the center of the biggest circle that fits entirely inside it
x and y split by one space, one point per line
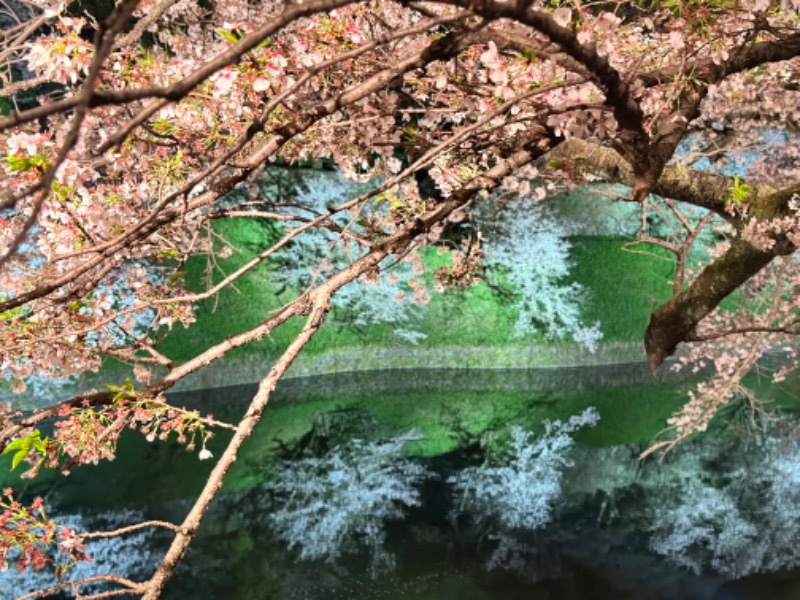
133 588
315 303
675 321
700 188
747 58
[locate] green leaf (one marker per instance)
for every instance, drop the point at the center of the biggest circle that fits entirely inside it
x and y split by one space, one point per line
22 447
168 253
738 193
176 278
15 445
41 445
27 163
125 390
227 35
18 458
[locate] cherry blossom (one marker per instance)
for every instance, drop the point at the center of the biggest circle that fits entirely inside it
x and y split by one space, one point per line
124 140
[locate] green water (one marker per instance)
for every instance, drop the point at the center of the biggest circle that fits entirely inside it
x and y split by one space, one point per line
450 408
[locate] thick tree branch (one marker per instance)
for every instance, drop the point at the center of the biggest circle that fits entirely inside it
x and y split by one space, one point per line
675 321
744 59
699 188
626 110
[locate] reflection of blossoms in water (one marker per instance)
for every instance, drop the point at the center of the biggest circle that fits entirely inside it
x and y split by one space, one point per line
749 523
329 506
133 556
517 494
707 529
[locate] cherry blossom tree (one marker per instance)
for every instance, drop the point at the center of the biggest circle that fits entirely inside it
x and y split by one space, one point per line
123 131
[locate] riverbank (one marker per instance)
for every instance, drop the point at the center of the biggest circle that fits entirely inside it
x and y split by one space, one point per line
251 368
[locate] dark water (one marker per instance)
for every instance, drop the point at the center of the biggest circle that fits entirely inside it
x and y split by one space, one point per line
568 560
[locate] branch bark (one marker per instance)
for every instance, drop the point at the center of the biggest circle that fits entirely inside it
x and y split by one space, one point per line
675 321
699 188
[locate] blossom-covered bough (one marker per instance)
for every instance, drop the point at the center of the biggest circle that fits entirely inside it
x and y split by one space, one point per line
122 131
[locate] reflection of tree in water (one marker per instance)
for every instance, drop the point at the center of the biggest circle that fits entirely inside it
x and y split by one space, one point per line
332 505
514 495
330 429
712 506
742 520
336 503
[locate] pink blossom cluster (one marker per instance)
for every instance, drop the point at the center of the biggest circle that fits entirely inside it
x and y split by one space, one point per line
32 540
88 435
63 57
105 191
465 269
